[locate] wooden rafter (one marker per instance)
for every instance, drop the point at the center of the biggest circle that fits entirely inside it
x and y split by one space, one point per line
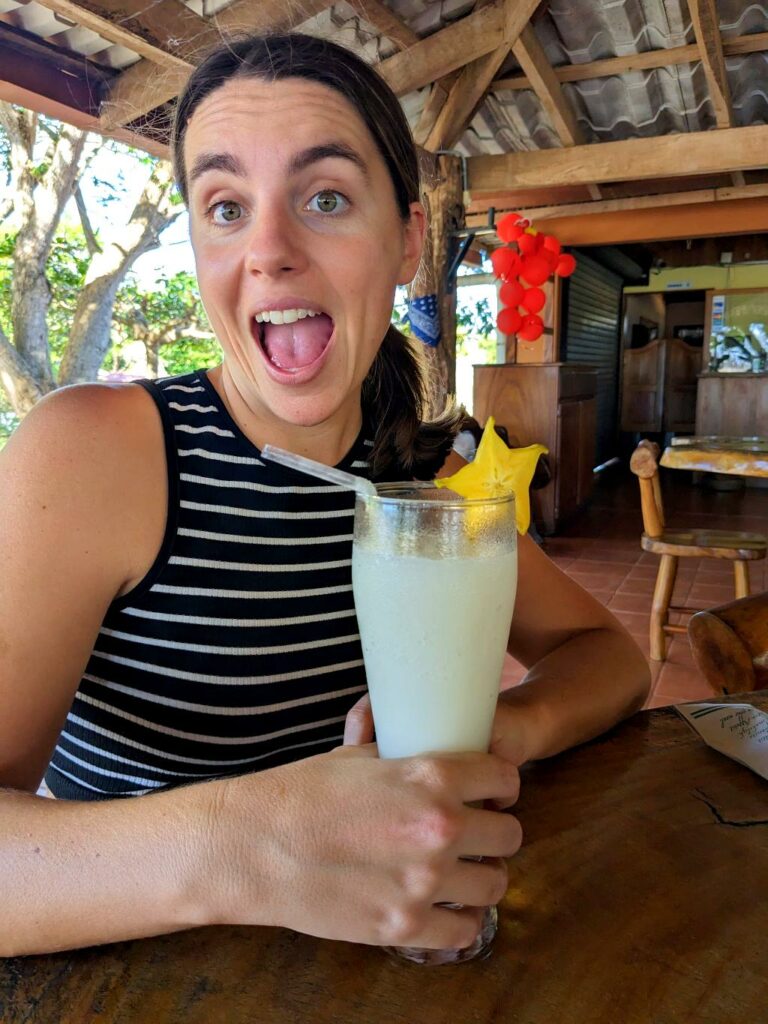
740 45
706 25
140 89
533 60
113 32
666 156
475 78
385 21
649 202
447 50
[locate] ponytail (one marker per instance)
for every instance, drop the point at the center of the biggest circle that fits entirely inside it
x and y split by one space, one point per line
395 400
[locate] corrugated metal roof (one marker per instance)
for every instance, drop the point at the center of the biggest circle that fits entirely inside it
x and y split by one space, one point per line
639 103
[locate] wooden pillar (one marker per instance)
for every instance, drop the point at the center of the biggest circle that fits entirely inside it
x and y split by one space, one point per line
442 198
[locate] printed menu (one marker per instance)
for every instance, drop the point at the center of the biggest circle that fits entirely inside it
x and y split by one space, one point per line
737 730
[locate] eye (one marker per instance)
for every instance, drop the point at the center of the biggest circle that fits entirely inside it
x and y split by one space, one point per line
328 201
225 212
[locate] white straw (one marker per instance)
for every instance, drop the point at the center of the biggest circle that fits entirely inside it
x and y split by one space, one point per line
348 481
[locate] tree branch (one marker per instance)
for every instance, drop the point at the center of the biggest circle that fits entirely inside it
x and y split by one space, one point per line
17 378
90 237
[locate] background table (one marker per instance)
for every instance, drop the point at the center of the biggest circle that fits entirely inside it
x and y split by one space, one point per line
740 456
639 896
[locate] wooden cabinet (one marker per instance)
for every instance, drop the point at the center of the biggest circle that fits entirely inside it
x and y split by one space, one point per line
658 390
552 404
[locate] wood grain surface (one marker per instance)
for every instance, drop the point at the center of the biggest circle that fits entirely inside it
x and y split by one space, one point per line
638 897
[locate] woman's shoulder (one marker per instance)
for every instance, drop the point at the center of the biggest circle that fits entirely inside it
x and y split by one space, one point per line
86 422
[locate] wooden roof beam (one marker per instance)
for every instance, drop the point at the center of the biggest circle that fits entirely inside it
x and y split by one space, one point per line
706 25
664 156
385 21
447 50
648 202
113 32
141 88
739 46
533 60
473 82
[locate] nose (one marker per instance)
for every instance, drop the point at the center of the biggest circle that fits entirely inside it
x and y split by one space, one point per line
274 243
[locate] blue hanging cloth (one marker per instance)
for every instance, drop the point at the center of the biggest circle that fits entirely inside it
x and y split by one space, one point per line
424 319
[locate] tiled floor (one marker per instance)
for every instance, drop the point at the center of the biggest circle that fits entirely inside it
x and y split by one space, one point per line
601 550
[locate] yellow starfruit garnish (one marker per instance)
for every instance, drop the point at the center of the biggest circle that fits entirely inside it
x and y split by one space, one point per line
496 471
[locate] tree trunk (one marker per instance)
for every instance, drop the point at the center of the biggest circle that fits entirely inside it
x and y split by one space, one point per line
42 203
442 198
92 322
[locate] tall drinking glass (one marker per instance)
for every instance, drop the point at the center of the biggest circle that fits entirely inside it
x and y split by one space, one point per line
434 579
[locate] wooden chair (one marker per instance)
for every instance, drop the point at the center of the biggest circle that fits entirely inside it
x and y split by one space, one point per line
730 644
671 545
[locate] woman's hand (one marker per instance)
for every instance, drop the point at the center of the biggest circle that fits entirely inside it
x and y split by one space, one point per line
348 846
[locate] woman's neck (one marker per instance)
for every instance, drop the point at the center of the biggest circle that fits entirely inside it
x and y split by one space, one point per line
326 442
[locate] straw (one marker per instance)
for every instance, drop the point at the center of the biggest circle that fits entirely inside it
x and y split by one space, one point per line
348 481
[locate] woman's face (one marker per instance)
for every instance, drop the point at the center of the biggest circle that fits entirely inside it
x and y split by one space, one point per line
293 212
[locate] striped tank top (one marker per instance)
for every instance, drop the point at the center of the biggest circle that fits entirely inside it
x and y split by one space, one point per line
239 650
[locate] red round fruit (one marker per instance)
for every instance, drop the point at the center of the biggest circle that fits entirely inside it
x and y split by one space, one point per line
565 265
508 228
511 293
532 328
504 261
508 321
529 244
534 299
534 269
551 244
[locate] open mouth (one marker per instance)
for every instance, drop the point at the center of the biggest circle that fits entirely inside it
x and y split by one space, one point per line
293 339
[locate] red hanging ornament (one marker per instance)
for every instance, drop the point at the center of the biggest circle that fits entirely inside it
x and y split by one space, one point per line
529 244
509 227
551 244
509 321
534 270
565 265
534 300
531 329
511 293
505 261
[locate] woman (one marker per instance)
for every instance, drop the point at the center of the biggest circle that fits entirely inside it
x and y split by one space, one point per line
181 612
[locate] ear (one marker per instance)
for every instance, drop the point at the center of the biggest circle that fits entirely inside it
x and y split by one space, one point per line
414 230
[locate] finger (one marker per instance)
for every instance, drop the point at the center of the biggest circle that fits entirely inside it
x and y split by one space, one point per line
450 928
467 777
358 727
489 834
475 883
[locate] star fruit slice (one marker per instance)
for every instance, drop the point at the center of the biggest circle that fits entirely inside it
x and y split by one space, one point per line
496 471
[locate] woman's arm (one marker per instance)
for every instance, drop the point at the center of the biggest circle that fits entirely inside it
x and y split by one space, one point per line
585 671
343 845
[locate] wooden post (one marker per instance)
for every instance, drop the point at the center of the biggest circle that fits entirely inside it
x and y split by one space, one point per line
442 198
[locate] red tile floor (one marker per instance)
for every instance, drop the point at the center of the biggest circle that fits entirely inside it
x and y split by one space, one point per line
601 550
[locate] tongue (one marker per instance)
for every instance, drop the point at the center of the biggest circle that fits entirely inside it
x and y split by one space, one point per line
291 346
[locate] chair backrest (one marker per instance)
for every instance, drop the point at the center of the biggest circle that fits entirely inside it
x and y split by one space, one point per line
645 465
730 644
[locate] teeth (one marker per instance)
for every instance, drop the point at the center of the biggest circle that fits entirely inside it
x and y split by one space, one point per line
283 316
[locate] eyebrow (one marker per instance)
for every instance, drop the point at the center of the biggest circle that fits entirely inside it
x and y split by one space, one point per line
312 155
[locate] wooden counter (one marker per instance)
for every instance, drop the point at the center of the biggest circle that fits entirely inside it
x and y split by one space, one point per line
732 404
638 897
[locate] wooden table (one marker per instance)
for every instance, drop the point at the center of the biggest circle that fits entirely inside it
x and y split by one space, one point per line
639 897
740 456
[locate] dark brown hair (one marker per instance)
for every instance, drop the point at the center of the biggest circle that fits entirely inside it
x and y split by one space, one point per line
395 392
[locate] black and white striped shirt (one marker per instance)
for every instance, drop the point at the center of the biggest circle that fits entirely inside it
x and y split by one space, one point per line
239 650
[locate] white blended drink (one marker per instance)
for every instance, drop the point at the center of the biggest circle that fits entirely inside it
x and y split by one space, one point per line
434 577
434 632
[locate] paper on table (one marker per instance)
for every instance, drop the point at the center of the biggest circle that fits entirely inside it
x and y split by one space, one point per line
736 730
